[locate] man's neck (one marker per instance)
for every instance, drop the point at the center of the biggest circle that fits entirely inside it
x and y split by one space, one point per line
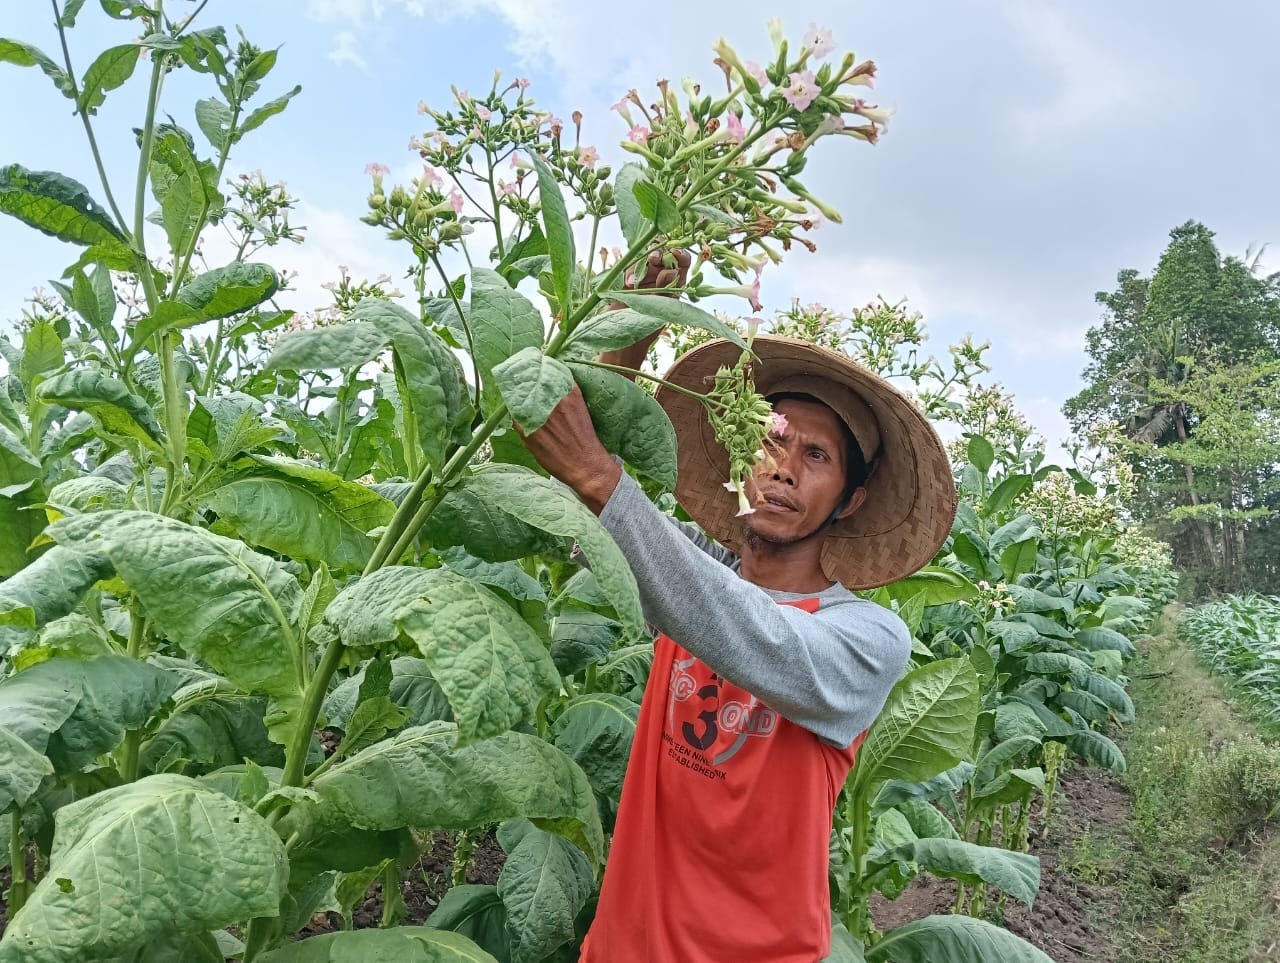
793 568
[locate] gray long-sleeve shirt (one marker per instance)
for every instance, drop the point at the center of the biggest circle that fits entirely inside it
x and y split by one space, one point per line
829 672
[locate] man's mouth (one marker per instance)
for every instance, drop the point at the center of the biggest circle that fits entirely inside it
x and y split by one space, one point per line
778 503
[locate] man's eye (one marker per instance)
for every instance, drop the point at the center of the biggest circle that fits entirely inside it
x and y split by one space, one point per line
819 454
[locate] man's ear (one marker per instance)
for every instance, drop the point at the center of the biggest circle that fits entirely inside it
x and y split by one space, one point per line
855 502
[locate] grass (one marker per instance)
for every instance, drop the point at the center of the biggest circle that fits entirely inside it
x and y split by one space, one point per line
1199 875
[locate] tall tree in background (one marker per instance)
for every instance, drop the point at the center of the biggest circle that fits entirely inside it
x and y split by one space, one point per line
1177 357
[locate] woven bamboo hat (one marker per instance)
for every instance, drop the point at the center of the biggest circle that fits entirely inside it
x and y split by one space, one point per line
911 497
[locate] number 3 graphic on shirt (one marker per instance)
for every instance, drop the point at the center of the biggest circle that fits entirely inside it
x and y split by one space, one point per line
708 717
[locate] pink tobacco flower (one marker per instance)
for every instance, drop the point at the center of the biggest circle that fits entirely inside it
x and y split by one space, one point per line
734 127
777 424
379 171
756 71
429 176
423 108
754 297
818 41
803 89
638 134
588 156
522 83
505 189
455 201
483 112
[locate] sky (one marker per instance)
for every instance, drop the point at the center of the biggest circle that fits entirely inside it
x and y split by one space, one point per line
1036 147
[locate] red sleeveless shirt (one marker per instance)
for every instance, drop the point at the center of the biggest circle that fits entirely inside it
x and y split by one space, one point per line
721 848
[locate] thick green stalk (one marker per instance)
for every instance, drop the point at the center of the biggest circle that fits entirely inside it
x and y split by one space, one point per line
858 920
455 464
296 754
133 737
17 863
399 522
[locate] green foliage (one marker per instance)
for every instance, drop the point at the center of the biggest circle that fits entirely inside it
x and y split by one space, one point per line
225 528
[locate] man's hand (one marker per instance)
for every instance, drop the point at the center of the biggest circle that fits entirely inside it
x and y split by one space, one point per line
567 447
657 274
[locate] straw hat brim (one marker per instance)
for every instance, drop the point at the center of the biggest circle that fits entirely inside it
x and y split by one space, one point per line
911 494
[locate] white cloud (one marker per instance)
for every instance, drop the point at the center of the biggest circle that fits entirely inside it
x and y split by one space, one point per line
346 50
1091 82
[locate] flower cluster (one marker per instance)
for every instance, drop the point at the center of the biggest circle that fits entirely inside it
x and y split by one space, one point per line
424 214
992 601
743 422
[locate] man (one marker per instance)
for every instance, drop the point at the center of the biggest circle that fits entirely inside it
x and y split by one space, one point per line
768 670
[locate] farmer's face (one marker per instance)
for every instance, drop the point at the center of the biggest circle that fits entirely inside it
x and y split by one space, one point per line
805 483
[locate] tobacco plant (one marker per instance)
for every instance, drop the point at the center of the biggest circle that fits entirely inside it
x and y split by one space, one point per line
214 552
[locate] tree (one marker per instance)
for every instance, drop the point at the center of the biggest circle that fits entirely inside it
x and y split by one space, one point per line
1165 347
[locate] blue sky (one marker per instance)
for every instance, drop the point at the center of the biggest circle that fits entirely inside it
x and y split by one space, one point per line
1037 147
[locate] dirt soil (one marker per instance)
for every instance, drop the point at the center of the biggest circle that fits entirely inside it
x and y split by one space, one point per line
421 887
1069 919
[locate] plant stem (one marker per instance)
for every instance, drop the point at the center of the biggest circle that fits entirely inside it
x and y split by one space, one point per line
390 895
399 522
17 863
128 768
454 465
296 754
462 319
88 125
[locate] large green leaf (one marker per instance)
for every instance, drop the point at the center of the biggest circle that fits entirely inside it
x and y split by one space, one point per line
595 731
365 612
22 769
1020 529
108 71
544 884
25 55
17 465
261 115
844 948
670 310
421 778
581 638
101 698
335 346
51 586
62 208
469 518
221 601
301 511
503 321
42 352
134 863
400 944
945 783
229 290
1098 749
1111 694
477 912
629 422
558 231
1017 874
188 193
1008 787
935 584
955 939
1004 494
925 728
212 734
121 413
532 384
549 507
1099 637
608 331
21 522
489 662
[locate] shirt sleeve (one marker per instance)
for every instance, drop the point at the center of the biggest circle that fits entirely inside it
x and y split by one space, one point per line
829 671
